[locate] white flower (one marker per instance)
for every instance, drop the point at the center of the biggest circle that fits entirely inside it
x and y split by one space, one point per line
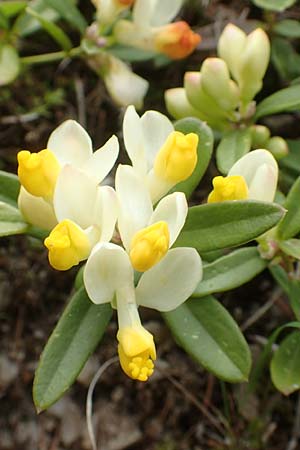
109 277
108 10
147 235
254 176
69 144
161 156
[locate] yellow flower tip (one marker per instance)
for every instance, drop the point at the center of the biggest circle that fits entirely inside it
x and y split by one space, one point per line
38 172
149 246
177 158
228 188
176 40
136 352
67 245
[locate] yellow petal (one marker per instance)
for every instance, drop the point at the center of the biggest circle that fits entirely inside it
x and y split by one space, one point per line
177 158
233 187
67 245
149 246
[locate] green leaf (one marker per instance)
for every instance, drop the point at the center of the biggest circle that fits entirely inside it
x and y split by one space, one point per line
284 100
288 28
208 333
9 64
11 220
285 59
291 247
74 338
54 31
232 147
274 5
219 225
285 364
68 11
10 8
204 150
9 188
27 24
230 271
290 224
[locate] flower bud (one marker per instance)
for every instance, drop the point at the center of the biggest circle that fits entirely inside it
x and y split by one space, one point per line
278 147
230 47
217 84
176 40
200 99
253 63
178 105
259 136
228 188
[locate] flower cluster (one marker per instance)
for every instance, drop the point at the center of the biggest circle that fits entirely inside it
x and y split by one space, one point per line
125 234
62 192
211 94
150 30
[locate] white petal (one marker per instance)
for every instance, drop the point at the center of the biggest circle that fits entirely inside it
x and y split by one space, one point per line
102 161
156 128
135 206
172 209
172 281
143 11
263 184
125 87
70 143
107 269
133 139
105 212
75 196
165 11
248 165
36 211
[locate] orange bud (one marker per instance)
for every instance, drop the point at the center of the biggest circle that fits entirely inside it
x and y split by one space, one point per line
126 2
176 40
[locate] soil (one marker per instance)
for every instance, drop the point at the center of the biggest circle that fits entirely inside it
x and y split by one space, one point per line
182 407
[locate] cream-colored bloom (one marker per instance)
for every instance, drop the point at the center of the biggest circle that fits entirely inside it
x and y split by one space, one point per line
109 10
109 277
69 144
254 176
151 30
161 156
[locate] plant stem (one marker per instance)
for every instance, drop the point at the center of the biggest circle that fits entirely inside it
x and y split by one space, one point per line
49 57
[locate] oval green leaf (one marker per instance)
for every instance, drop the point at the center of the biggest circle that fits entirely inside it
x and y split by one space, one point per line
219 225
10 8
285 364
285 59
230 271
208 333
284 100
291 247
274 5
9 64
68 11
74 338
288 28
204 151
232 147
11 220
290 224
